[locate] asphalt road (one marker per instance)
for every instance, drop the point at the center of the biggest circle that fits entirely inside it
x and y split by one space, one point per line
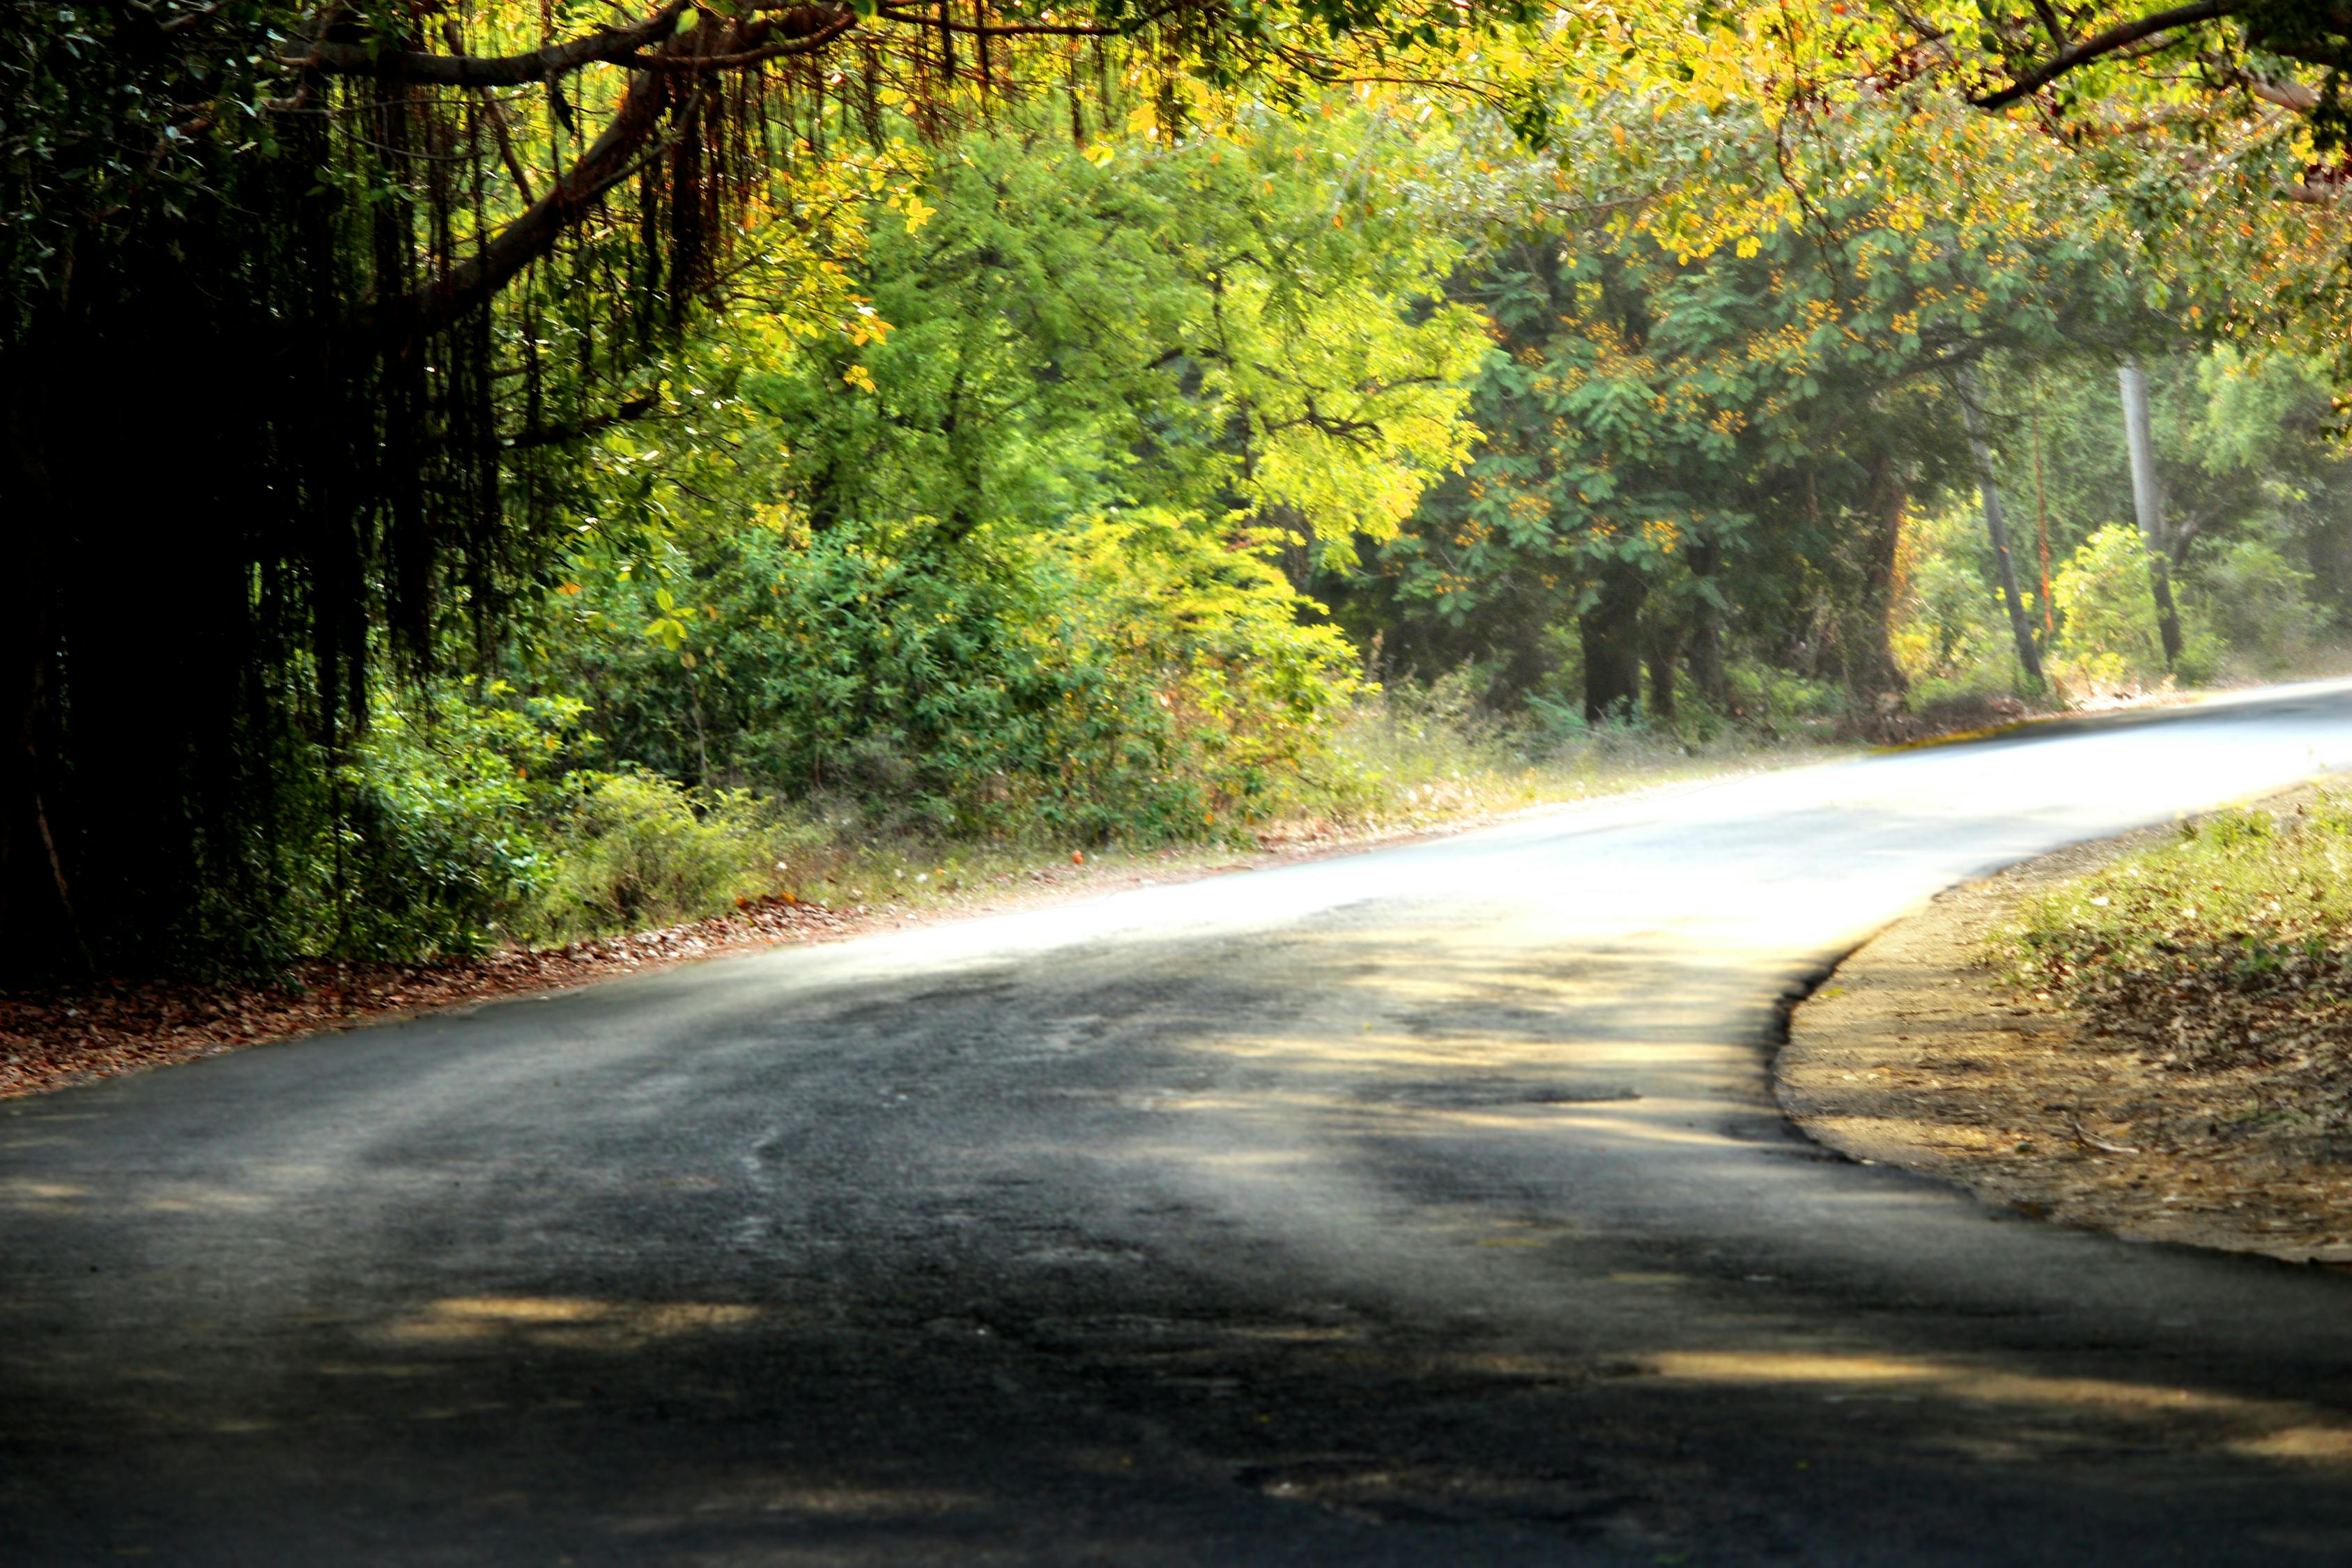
1422 1206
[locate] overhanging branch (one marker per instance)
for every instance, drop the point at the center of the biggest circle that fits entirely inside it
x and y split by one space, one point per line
603 165
2123 36
604 46
641 47
1005 29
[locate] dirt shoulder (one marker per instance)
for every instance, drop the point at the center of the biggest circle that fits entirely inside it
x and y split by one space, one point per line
1914 1054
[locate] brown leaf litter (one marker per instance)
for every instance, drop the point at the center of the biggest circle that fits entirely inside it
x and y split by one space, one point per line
2172 1117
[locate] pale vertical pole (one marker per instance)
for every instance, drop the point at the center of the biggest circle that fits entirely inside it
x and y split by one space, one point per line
2147 505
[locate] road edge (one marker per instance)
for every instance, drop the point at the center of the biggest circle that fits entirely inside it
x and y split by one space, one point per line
1852 1081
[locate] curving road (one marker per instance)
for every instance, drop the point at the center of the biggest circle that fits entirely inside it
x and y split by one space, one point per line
1424 1206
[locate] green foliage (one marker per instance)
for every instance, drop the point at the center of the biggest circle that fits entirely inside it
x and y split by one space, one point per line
2257 604
462 825
1767 694
629 850
2244 910
1132 678
2254 506
1184 328
1684 428
435 846
410 290
1949 630
2107 640
1003 559
2106 594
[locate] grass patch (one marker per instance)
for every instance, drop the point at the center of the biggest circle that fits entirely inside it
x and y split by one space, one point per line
1422 756
2229 946
1413 759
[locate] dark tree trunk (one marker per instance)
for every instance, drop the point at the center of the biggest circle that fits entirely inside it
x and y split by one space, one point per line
1525 666
1611 632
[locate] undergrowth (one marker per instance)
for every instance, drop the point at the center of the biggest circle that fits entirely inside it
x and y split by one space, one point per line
2229 946
480 834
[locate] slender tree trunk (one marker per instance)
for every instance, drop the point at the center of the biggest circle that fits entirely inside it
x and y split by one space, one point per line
2042 523
1611 632
2147 506
2029 657
1706 653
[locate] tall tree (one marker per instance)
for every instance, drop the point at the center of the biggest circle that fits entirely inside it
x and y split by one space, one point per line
1758 395
307 307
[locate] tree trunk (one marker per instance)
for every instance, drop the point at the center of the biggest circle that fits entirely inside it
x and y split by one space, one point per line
1611 631
1706 652
1663 654
2029 657
2147 506
1872 674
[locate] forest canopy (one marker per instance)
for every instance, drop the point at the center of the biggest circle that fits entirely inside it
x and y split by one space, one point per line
431 427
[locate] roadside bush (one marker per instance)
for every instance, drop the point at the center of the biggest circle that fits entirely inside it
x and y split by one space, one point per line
2108 635
631 850
460 828
435 845
1765 693
1136 677
1209 633
1948 626
2258 604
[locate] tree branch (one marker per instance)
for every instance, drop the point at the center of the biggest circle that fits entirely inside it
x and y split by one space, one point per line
603 165
605 45
2123 36
1008 30
748 49
806 27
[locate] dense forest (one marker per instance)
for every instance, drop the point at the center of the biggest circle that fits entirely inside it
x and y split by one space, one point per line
483 473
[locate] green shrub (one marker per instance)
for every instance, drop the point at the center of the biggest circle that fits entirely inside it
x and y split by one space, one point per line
433 843
1137 677
1948 626
2107 633
632 851
1765 693
2258 604
1239 698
